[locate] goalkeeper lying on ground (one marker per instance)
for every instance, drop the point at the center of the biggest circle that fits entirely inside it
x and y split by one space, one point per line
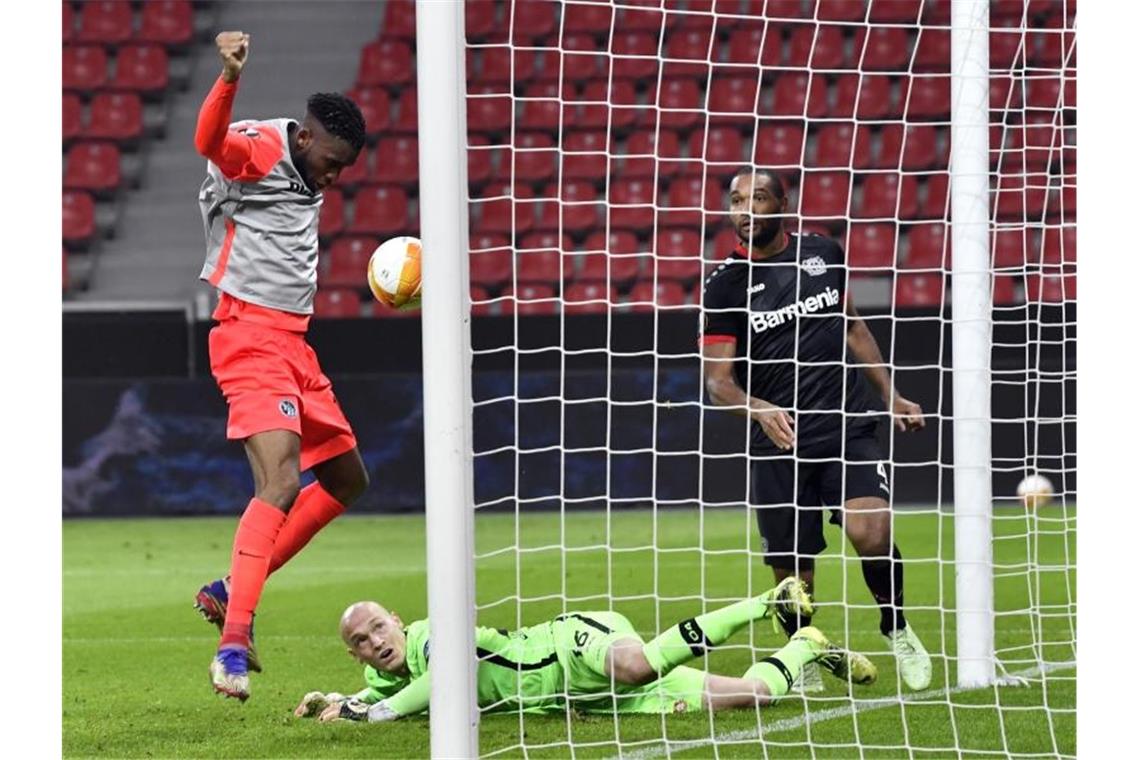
593 660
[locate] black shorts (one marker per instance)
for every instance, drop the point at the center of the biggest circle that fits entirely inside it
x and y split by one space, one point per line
793 530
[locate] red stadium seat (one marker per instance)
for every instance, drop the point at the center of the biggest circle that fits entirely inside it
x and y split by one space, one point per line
866 96
693 42
921 149
532 299
1050 288
918 290
1062 204
589 298
584 156
880 198
779 144
863 156
480 159
929 247
884 48
932 51
1007 9
493 266
540 108
577 210
840 10
397 161
1051 47
533 21
824 194
871 248
347 262
540 258
400 19
645 19
72 116
407 119
105 22
78 217
1007 47
115 116
144 68
647 152
331 222
535 157
1004 293
936 203
679 101
1059 246
380 210
731 95
936 13
1019 197
616 259
721 147
790 9
385 63
634 55
890 147
587 18
481 23
375 106
833 145
579 60
167 22
747 44
684 202
340 303
894 11
93 166
1010 248
1043 92
679 253
480 302
488 111
504 215
68 23
631 204
820 46
645 296
929 98
84 67
500 65
790 95
615 106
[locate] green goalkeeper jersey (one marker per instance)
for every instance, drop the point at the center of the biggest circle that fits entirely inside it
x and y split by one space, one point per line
537 669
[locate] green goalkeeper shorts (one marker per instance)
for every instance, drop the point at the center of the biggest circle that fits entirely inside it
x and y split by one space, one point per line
582 640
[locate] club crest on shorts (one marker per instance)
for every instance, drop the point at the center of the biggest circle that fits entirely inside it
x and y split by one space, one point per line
288 408
814 266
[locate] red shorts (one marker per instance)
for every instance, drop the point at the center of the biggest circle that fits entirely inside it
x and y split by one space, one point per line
272 381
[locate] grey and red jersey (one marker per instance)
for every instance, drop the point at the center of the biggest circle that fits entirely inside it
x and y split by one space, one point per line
261 221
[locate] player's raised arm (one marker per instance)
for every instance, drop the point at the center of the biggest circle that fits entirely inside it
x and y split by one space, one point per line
213 139
717 360
863 346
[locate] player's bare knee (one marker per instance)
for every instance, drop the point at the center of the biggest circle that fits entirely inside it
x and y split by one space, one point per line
281 488
629 666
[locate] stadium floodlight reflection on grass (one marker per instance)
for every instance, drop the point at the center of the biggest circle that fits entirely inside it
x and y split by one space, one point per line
904 130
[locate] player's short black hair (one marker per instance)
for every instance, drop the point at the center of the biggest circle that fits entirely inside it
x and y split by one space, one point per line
339 115
773 177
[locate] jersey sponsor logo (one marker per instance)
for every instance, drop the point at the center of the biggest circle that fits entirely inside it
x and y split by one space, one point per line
814 266
764 320
250 132
756 289
288 408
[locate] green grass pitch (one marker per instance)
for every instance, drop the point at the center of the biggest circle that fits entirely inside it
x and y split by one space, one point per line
135 653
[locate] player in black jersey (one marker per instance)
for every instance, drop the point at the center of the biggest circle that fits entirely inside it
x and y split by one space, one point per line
779 340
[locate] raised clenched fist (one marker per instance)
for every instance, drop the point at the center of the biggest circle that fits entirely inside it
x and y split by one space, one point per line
233 47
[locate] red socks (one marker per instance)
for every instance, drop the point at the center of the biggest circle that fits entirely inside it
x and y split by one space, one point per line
249 565
314 509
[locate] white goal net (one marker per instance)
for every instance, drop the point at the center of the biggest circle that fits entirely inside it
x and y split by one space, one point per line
602 137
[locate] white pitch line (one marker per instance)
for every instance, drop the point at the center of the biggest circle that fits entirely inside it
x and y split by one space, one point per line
789 724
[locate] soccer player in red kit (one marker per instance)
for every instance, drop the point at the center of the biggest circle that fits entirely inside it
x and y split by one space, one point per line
260 204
